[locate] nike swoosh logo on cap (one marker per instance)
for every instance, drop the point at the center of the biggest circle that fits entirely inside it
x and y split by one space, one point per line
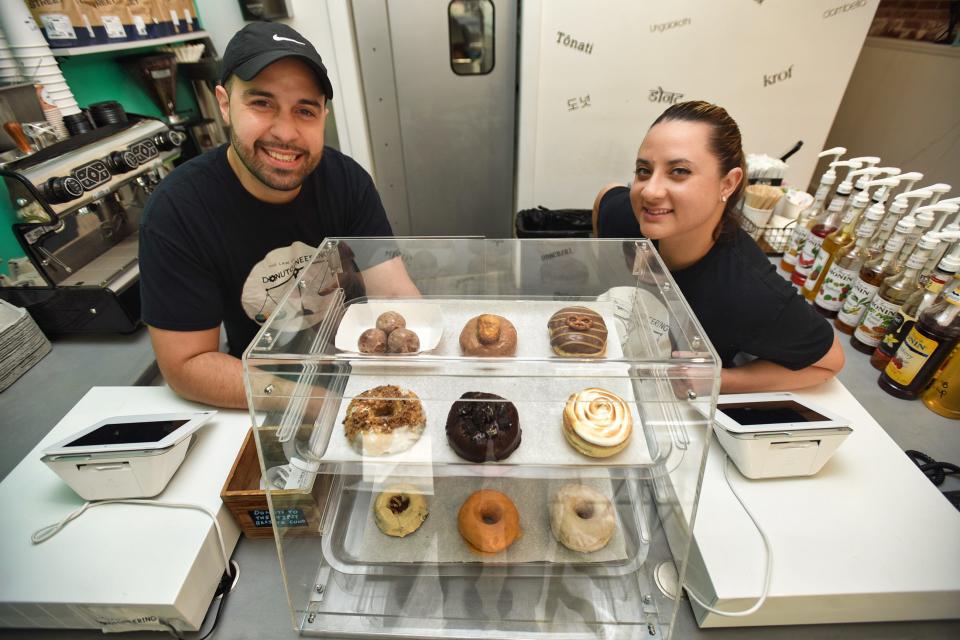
279 38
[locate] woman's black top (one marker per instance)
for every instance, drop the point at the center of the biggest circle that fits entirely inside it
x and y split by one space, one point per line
742 303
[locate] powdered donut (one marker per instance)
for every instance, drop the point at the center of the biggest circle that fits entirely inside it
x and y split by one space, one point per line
581 518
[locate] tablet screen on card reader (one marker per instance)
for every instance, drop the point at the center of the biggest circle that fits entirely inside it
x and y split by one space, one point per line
128 433
773 412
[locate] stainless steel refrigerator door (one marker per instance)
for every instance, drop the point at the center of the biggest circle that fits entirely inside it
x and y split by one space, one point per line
439 80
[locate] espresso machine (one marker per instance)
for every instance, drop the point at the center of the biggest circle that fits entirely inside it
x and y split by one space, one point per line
78 205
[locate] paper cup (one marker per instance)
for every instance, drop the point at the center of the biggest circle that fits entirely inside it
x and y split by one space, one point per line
758 217
793 203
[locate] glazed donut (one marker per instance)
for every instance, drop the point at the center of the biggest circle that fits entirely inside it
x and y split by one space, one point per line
578 332
488 335
581 518
597 422
483 426
400 510
488 521
384 420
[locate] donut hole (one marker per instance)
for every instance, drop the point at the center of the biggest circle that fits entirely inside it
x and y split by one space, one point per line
491 514
384 409
584 510
398 504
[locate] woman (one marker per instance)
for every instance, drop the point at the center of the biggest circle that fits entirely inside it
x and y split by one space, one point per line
689 176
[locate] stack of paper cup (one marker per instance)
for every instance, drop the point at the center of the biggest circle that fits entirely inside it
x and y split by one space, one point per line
28 46
9 68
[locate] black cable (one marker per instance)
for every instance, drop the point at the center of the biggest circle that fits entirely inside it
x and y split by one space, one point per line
227 582
936 471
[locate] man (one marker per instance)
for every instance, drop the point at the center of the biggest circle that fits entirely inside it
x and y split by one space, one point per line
222 233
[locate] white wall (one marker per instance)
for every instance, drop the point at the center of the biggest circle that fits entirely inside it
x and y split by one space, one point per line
328 25
723 52
903 104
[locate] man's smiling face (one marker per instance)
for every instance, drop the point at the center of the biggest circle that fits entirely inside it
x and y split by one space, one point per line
276 128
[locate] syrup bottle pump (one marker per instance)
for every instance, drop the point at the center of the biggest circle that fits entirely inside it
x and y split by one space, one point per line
907 180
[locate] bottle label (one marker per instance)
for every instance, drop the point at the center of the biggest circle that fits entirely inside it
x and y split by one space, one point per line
835 288
797 238
953 297
876 321
856 303
811 248
917 259
915 351
901 326
819 264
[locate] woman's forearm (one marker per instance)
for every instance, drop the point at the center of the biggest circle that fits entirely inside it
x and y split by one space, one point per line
763 375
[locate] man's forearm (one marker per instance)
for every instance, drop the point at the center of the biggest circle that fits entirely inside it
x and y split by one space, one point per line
212 378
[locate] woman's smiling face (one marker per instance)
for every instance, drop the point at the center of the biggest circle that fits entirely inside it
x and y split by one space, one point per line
678 185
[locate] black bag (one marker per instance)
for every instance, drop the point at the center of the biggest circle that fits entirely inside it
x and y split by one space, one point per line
556 223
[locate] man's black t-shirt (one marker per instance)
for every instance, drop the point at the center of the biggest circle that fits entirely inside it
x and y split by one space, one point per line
210 252
741 302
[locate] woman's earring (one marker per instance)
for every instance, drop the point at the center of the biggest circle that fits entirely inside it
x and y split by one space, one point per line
723 198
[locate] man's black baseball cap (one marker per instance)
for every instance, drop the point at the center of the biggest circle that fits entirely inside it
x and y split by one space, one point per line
259 44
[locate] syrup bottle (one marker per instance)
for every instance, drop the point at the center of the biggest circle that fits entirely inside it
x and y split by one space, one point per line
916 304
871 276
802 228
839 279
890 297
930 341
842 237
822 226
894 215
943 394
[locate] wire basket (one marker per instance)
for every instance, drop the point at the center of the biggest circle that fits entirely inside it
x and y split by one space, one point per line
772 240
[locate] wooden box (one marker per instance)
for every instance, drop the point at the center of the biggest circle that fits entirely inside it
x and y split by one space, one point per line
302 511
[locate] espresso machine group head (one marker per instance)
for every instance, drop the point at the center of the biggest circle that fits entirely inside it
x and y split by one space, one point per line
79 203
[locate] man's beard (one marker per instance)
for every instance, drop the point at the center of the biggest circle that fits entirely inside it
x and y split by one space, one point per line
272 177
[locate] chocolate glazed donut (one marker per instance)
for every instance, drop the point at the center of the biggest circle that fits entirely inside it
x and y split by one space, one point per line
483 427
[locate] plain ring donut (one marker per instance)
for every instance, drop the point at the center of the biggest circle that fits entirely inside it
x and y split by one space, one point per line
488 521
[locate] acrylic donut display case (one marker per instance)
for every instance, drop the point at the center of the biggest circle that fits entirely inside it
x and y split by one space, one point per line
507 436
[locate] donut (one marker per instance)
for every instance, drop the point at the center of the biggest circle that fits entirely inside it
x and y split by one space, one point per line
400 510
384 420
403 341
488 335
578 332
597 422
482 427
581 518
390 320
488 521
372 341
